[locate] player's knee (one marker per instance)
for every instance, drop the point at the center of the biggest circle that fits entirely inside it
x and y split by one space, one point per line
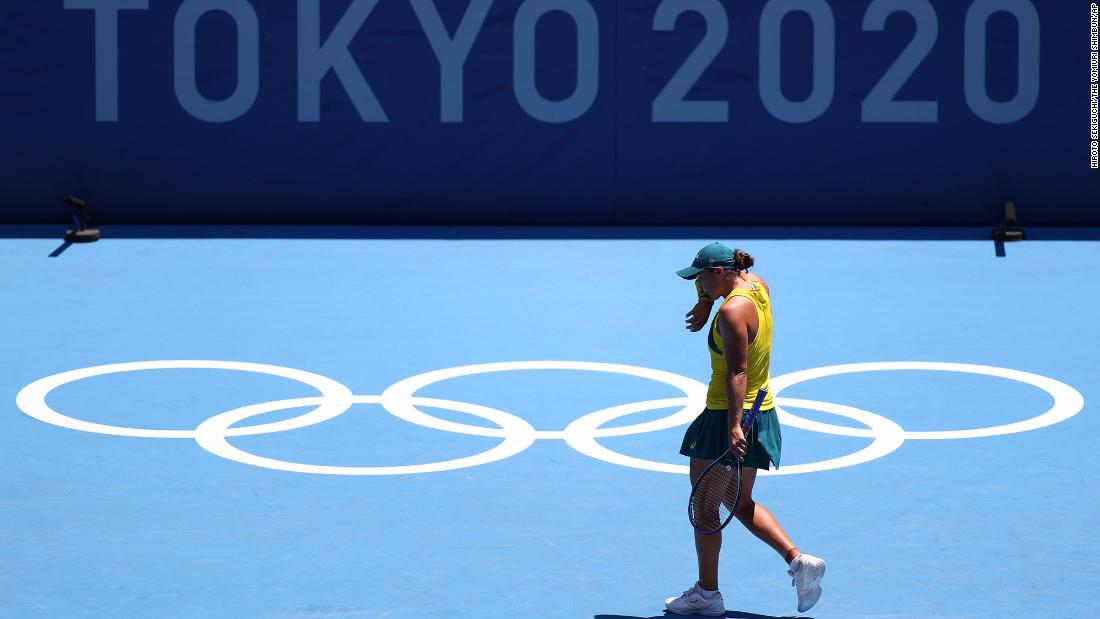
745 509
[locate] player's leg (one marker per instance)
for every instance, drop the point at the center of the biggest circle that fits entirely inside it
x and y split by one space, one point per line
805 570
703 597
759 521
707 547
704 440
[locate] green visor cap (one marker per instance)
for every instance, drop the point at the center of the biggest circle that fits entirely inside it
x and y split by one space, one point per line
713 255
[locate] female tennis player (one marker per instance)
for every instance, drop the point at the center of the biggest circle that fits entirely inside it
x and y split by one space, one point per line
740 342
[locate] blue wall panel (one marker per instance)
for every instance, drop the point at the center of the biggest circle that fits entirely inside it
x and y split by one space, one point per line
563 111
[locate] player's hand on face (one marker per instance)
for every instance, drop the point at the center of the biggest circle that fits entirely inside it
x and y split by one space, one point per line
738 444
698 315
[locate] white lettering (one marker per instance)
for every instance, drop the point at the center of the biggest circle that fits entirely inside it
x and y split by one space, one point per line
451 53
316 59
588 50
248 60
106 50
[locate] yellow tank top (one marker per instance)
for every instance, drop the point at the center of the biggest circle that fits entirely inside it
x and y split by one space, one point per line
760 353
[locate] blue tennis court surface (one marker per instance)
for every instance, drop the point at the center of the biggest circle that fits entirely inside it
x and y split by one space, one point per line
202 430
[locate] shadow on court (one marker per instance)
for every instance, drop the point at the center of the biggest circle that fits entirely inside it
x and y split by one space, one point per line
730 614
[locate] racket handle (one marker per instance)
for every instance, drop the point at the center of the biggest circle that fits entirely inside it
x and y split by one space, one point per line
750 417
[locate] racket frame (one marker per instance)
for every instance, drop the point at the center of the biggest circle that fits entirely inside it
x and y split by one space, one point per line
726 459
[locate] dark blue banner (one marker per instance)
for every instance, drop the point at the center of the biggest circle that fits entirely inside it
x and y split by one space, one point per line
752 112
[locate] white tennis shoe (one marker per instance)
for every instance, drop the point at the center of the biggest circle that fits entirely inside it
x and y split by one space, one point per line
806 572
692 602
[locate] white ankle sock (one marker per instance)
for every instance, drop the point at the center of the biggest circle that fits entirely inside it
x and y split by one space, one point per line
707 594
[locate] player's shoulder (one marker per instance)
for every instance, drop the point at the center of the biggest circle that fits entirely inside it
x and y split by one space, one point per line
760 280
739 307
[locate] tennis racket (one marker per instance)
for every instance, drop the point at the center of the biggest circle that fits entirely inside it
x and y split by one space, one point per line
715 494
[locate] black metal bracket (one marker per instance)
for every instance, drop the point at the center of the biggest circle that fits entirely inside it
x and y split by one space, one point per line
80 233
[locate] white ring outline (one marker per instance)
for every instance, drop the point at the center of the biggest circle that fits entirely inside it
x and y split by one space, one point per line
1067 400
396 397
211 436
32 398
887 435
400 402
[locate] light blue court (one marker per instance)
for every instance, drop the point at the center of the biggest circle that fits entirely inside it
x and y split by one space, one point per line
198 427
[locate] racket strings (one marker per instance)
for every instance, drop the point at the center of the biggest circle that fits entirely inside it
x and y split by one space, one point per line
715 500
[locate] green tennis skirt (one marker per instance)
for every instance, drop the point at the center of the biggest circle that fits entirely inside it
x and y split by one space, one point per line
706 438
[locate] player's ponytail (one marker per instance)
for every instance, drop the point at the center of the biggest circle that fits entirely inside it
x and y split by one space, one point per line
742 260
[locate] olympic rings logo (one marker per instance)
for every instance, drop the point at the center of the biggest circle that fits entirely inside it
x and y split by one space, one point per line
401 401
